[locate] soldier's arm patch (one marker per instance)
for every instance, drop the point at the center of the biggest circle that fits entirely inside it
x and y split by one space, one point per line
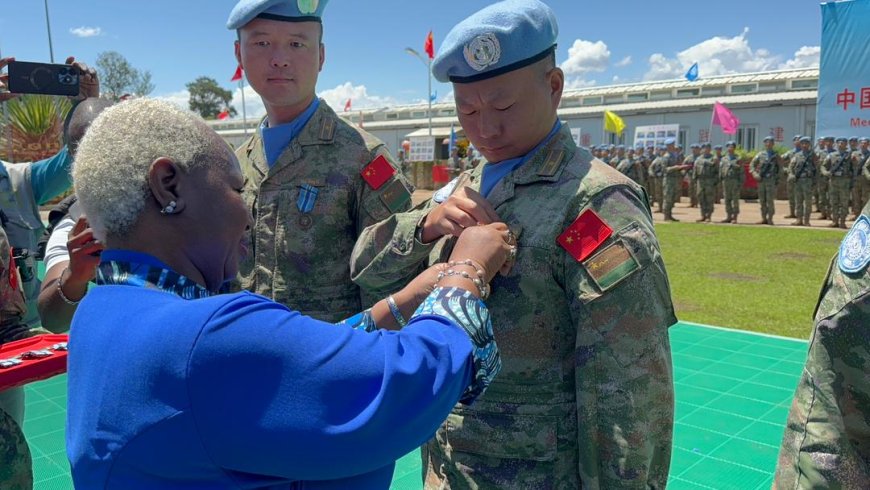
378 172
855 248
395 196
583 237
610 266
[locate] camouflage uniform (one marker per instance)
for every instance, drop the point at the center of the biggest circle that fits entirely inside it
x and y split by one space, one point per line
693 182
731 173
585 395
859 190
706 175
822 200
15 464
827 436
802 168
656 174
765 169
299 257
633 169
790 180
672 185
865 176
837 168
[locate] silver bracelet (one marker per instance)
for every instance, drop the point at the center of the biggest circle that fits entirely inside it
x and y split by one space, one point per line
394 309
482 287
60 290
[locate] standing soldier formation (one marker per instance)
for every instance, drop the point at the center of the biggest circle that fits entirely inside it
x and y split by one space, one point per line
837 168
789 178
706 176
312 180
765 169
585 395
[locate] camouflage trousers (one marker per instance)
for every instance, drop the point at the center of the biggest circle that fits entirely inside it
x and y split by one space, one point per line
839 193
655 184
731 189
859 195
693 191
822 199
803 198
16 467
670 193
766 196
706 196
790 185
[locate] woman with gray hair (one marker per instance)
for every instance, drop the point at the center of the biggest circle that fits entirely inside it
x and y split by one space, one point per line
173 385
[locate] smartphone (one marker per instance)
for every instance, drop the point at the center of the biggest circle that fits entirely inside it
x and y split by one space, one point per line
43 78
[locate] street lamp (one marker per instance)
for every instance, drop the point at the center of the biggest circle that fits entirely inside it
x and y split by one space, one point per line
428 64
48 28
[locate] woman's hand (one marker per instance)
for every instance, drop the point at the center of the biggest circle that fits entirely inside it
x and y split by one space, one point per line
492 247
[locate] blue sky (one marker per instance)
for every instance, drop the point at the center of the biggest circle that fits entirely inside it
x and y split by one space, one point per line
600 43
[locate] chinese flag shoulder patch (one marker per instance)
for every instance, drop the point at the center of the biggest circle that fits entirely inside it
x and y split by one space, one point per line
584 235
378 172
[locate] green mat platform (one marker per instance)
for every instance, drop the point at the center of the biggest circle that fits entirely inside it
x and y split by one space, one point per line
734 389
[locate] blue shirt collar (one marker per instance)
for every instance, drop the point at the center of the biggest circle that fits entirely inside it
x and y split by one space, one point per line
493 173
277 138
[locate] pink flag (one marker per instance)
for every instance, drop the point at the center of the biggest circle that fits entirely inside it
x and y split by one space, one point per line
722 116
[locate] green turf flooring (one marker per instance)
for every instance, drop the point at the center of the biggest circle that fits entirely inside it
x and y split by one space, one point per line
733 388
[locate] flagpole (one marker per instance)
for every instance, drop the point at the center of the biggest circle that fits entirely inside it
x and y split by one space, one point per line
710 132
429 69
244 109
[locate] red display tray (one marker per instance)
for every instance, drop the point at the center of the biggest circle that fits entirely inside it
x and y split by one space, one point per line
31 370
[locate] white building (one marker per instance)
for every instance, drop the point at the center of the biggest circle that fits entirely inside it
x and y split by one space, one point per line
778 103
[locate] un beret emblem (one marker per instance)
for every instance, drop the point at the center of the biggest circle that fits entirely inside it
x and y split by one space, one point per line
307 6
482 52
855 249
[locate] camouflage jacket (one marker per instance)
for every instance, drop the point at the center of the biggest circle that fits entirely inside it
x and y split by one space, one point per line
12 304
657 167
764 167
706 169
730 168
827 436
838 165
802 165
309 209
585 395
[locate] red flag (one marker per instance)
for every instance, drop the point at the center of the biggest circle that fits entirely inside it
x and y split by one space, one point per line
223 115
429 46
585 235
378 172
347 105
238 75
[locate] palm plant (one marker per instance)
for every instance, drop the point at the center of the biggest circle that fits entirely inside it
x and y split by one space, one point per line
32 127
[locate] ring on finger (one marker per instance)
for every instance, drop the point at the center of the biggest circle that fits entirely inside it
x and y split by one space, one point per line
513 254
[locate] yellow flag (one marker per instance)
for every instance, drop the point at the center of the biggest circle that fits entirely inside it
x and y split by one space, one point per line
613 123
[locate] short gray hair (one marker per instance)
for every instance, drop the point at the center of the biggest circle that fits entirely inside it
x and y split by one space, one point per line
111 167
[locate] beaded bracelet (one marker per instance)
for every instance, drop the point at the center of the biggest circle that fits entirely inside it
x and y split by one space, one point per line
479 283
394 309
60 290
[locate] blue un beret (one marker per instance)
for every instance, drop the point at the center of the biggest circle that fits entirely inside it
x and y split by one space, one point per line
731 143
670 141
695 146
283 10
797 137
498 39
717 147
842 140
706 144
768 138
863 140
806 139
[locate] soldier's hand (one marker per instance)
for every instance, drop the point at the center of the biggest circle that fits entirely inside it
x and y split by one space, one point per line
463 209
84 252
4 81
89 84
492 247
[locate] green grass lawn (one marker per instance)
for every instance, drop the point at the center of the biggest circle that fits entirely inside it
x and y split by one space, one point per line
747 277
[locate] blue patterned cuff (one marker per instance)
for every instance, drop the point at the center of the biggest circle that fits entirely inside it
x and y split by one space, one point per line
360 321
467 311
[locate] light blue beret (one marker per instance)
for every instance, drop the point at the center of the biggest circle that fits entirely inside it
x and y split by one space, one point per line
706 145
717 147
842 140
853 138
863 140
806 139
797 137
501 38
670 141
731 143
695 146
620 147
283 10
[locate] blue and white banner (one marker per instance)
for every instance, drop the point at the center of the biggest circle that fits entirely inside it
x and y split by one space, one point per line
844 79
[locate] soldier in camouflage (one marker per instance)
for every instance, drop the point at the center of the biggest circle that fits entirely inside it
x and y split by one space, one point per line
802 166
16 470
656 173
585 395
690 173
717 160
827 435
732 177
864 168
785 162
673 182
312 180
706 176
859 191
632 167
837 168
823 182
765 170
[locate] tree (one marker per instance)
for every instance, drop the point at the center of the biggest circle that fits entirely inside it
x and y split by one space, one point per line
208 98
32 127
119 77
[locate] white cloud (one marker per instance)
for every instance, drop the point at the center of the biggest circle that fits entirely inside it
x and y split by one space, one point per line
806 57
254 107
180 98
85 31
623 62
359 96
585 57
715 56
575 83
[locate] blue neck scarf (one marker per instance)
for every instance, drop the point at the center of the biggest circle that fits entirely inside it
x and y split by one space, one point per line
125 268
493 173
277 138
